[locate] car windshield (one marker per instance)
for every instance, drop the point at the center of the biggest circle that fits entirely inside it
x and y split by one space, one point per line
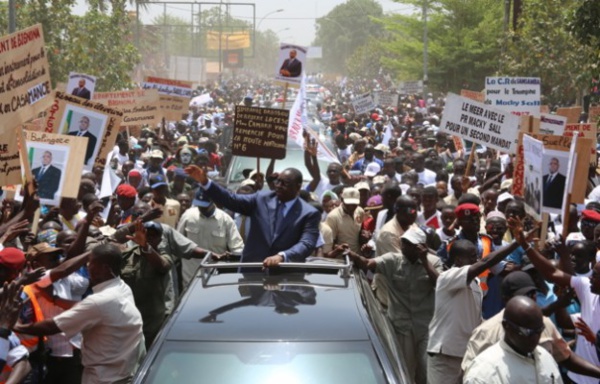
265 363
293 159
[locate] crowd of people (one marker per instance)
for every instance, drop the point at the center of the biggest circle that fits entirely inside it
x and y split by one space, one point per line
452 255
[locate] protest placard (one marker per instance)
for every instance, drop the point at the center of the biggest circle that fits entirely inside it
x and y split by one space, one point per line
519 95
555 146
61 157
588 131
24 77
594 114
552 124
139 106
572 114
290 63
260 132
473 95
533 155
386 99
363 103
480 123
174 95
410 87
81 85
72 115
10 162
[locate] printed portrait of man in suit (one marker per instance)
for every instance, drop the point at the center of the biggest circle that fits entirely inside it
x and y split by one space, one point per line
292 67
553 185
82 91
83 131
47 177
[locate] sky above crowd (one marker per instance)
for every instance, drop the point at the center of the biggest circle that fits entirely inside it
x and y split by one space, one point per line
295 24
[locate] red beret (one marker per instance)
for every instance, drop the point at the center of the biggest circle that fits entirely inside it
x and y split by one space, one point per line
126 190
341 121
589 214
467 209
12 258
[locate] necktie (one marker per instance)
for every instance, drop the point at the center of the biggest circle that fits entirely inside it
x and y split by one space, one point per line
41 172
278 218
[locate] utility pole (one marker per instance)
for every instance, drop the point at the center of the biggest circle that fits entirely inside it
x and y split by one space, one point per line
425 42
12 16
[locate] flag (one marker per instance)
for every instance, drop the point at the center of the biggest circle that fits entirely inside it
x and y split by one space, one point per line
298 123
387 133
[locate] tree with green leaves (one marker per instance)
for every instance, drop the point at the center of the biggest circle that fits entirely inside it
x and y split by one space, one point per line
542 46
463 42
99 43
346 28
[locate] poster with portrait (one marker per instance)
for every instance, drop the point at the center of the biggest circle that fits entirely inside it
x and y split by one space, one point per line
49 168
74 116
533 155
81 85
290 63
555 165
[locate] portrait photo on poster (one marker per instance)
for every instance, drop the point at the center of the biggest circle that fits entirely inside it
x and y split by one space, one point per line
533 191
48 164
81 85
554 170
290 63
82 122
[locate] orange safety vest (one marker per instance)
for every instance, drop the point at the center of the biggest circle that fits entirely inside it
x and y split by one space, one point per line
486 244
29 341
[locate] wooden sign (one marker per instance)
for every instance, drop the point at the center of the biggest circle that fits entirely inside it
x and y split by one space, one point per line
260 132
588 131
572 114
10 162
74 116
67 154
557 144
24 77
139 106
174 95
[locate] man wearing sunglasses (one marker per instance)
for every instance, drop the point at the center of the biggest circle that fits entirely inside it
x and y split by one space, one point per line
283 227
517 358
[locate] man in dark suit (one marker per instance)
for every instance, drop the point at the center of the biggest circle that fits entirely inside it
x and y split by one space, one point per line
283 227
291 67
47 177
554 186
84 124
82 91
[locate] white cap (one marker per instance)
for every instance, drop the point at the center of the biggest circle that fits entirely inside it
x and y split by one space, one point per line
415 235
372 169
351 196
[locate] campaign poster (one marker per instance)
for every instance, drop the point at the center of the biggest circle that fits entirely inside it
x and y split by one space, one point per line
518 95
81 85
533 155
290 63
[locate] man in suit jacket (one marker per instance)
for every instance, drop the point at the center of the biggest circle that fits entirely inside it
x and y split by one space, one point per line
47 177
554 186
283 227
82 91
291 67
84 124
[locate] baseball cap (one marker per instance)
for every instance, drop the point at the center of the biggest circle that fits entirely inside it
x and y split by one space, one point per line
40 249
351 196
517 283
157 181
362 185
415 236
375 117
12 258
372 169
505 196
248 182
157 154
201 199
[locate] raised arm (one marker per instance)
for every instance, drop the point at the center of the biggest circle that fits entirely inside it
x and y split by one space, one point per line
311 163
492 259
543 265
